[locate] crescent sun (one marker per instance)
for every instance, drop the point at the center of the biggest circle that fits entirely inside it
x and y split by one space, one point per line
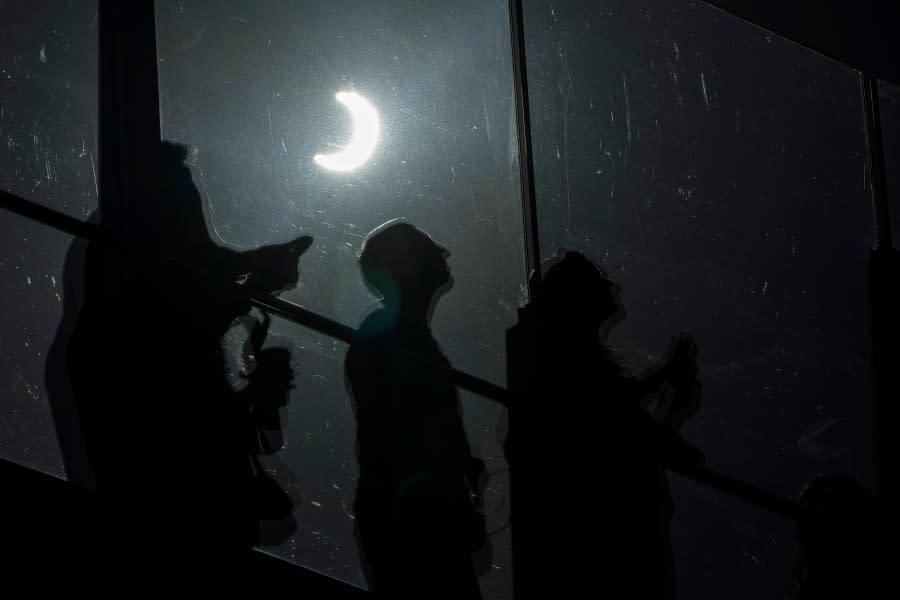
366 128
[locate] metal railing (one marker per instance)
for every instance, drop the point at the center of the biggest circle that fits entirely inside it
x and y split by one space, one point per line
306 318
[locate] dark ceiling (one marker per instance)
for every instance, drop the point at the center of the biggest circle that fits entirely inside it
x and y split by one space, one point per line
861 33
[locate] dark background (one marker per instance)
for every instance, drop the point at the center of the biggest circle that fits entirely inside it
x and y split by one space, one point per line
859 34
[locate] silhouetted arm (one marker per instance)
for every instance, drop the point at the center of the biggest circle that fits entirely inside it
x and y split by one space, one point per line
679 371
265 257
269 268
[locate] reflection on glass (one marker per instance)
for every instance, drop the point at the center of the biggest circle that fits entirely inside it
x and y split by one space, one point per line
365 135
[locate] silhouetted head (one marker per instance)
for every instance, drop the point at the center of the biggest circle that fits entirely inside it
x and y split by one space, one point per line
404 265
576 293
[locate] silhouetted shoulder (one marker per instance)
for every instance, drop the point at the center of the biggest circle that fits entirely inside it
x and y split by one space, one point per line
372 332
364 358
376 326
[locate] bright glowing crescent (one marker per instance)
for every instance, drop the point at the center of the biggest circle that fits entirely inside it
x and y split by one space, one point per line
366 128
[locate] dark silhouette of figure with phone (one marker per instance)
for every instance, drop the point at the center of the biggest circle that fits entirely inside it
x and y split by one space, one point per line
585 443
415 519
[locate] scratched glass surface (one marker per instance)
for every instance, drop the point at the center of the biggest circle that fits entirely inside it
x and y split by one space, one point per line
48 103
32 368
718 174
889 97
425 132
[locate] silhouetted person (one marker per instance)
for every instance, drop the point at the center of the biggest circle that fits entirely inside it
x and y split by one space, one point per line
165 434
415 521
593 498
840 557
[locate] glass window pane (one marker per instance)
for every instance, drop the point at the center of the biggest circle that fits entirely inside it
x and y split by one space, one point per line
724 548
253 91
717 173
889 96
37 418
48 109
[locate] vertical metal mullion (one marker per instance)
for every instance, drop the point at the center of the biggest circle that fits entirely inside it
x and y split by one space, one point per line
884 294
110 186
129 129
883 237
522 356
526 157
128 140
129 106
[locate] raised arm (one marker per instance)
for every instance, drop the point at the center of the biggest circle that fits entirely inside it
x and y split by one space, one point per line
679 371
270 268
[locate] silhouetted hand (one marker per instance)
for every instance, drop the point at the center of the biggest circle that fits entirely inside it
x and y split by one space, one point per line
277 270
